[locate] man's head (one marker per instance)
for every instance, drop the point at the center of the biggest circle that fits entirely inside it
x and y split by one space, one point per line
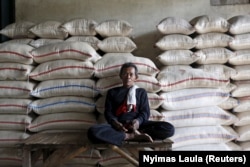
128 74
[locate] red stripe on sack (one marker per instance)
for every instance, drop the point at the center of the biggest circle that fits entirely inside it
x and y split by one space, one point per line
6 87
8 122
61 51
14 69
60 121
15 53
145 81
12 105
59 68
181 81
100 88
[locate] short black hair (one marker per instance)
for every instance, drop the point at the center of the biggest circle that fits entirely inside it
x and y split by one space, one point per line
127 65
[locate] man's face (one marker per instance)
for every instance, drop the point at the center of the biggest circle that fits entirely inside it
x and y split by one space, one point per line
128 76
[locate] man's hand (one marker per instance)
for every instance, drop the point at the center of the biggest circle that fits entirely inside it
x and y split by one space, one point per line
135 124
118 126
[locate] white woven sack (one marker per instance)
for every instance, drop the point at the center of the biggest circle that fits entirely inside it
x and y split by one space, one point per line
42 41
241 90
63 121
229 146
110 64
243 133
242 72
14 106
218 69
245 145
92 40
229 104
243 104
240 42
63 104
187 136
65 87
14 122
191 78
117 45
16 53
11 157
243 118
19 41
205 24
175 42
59 69
212 40
114 28
239 24
213 55
149 83
80 26
49 29
177 57
18 30
193 98
16 89
89 157
10 138
242 57
15 71
65 50
203 116
174 68
175 25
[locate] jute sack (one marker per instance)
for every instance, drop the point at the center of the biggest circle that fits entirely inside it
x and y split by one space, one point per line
10 138
65 87
109 28
92 40
240 42
203 116
239 24
205 24
243 118
229 146
62 121
187 98
16 89
49 29
80 26
117 45
15 71
175 42
243 133
242 57
14 122
44 41
218 69
110 64
63 104
187 136
14 106
212 40
59 69
177 57
191 78
16 53
213 55
65 50
11 157
18 30
175 25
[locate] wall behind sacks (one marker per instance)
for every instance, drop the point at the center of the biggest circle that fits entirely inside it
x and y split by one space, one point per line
144 15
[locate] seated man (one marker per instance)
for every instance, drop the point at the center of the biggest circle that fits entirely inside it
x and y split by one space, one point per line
127 112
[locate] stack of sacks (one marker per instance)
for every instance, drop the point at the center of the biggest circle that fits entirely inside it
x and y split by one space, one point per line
80 29
191 95
240 30
118 48
48 32
15 88
66 90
